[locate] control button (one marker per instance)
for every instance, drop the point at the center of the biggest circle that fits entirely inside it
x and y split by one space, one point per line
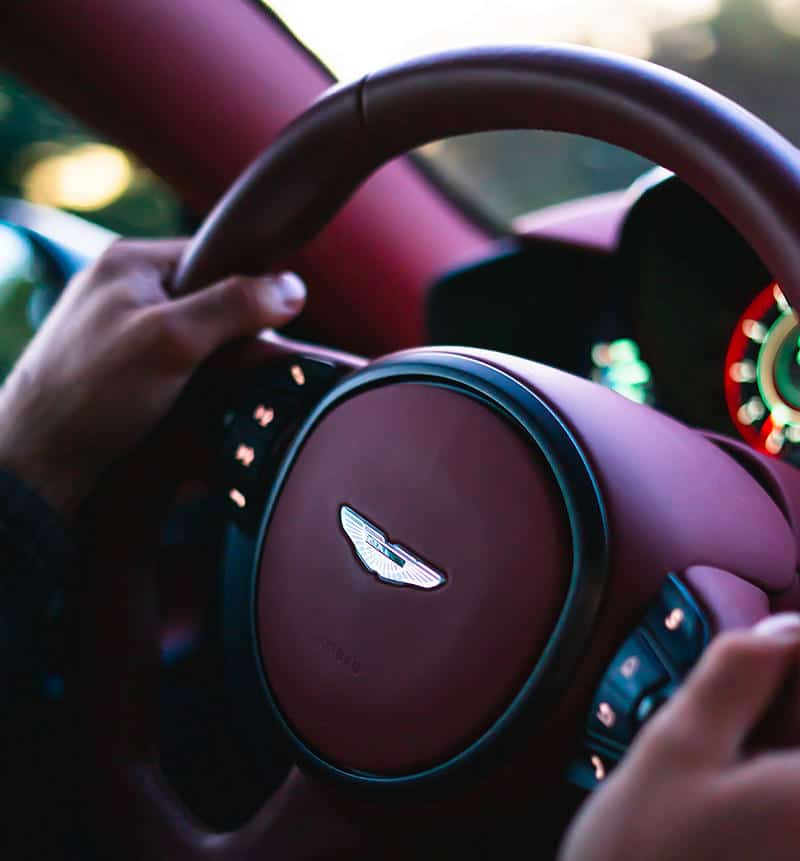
636 669
600 768
266 413
676 626
591 767
611 714
237 497
674 619
298 374
652 702
606 715
263 415
245 454
303 374
630 667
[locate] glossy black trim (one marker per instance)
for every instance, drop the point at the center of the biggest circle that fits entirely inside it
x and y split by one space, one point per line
560 658
579 773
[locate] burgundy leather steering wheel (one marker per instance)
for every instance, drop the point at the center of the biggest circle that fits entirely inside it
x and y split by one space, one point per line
440 557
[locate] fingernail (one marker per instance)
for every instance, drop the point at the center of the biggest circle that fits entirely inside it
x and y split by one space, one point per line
782 626
291 290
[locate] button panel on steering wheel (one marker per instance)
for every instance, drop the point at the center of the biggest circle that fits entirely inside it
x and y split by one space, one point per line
642 676
271 404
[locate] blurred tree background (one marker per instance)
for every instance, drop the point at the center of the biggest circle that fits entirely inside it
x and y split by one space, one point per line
749 50
746 49
47 158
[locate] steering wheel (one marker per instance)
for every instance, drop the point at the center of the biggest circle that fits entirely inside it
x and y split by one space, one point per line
454 578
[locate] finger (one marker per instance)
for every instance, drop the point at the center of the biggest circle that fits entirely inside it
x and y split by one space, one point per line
776 771
156 251
769 786
236 307
731 689
161 255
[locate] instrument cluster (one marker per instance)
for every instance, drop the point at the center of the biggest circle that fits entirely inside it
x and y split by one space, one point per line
682 316
719 340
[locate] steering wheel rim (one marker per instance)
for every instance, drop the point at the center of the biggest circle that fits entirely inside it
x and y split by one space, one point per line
743 167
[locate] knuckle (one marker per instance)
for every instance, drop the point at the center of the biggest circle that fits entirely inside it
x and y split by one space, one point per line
732 650
121 258
731 660
114 259
238 299
665 736
169 336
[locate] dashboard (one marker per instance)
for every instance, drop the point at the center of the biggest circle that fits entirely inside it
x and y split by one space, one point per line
677 312
672 308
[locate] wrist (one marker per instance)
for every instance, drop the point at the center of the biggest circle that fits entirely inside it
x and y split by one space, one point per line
38 463
63 489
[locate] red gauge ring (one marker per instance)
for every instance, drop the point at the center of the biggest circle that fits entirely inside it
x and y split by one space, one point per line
762 376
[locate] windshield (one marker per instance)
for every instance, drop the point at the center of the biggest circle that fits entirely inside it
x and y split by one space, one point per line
746 49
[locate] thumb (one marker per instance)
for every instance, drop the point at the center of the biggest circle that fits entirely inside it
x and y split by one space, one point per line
732 687
236 307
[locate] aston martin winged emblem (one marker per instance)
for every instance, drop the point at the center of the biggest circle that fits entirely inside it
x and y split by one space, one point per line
391 562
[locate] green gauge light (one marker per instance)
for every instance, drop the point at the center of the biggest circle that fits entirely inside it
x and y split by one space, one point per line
618 365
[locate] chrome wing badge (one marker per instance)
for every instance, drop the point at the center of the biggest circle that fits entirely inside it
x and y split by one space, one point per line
390 562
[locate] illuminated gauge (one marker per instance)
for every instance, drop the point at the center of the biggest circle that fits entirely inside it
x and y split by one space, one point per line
762 376
617 365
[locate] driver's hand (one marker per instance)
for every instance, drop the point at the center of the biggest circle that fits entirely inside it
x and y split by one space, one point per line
687 790
112 358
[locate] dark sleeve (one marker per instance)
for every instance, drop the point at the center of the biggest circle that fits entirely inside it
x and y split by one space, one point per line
36 552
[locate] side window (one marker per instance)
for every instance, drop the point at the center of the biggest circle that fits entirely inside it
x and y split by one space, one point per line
47 158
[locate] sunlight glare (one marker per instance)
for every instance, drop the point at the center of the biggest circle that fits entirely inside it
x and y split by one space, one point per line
356 36
786 15
87 177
